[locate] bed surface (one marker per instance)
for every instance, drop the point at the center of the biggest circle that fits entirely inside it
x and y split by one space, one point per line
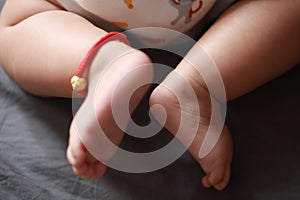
265 125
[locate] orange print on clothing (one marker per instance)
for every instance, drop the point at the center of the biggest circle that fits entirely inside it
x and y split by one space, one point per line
128 3
120 24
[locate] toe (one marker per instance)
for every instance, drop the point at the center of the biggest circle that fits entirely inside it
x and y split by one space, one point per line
218 178
91 170
76 152
76 157
220 186
216 175
88 174
81 171
99 170
70 157
224 182
205 182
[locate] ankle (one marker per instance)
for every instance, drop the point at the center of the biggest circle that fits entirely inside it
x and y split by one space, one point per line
194 78
106 55
192 75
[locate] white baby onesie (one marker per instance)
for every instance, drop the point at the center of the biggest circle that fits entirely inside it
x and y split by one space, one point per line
179 15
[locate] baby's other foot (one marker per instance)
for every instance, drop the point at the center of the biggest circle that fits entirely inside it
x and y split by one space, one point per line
116 70
217 163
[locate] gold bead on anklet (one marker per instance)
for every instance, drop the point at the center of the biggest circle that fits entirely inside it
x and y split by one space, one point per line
78 83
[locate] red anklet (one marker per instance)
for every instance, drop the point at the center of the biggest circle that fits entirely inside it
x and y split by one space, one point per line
78 81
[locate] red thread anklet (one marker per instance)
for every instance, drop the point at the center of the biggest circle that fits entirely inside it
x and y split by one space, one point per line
78 82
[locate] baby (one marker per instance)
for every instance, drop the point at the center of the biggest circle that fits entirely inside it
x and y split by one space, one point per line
42 43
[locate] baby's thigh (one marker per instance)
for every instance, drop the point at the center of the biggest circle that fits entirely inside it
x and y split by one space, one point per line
15 11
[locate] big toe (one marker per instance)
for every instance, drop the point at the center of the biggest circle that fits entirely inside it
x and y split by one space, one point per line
218 177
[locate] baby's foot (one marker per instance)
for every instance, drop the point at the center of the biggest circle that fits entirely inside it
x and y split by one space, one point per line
115 63
216 164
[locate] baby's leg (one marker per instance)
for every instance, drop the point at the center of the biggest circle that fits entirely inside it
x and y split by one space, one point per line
42 45
252 43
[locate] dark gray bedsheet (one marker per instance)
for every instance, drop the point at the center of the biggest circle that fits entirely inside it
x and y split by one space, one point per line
265 125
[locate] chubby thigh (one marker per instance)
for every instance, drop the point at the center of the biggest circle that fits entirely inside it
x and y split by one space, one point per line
15 11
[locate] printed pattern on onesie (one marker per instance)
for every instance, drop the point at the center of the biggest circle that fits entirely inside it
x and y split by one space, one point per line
179 15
